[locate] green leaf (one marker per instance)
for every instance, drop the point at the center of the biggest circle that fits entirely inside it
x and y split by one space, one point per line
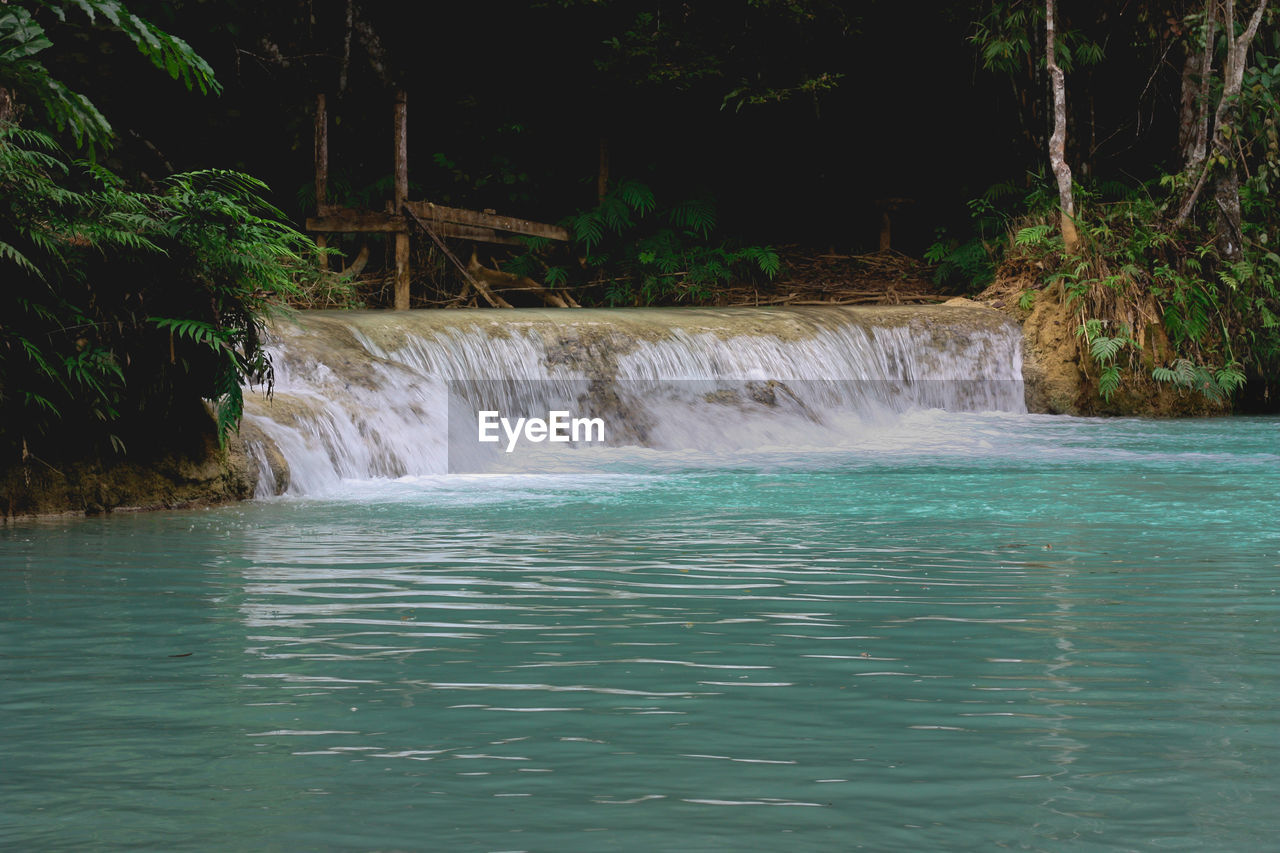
1033 235
1109 381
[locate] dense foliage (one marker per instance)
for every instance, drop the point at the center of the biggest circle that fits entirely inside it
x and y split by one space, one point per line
677 142
627 251
121 308
1176 278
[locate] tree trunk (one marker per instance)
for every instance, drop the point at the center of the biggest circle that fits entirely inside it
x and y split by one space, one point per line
1226 195
1226 118
8 107
401 191
1226 191
1197 76
1058 141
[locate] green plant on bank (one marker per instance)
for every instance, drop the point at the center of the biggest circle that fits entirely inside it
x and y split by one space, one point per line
315 286
239 258
121 309
1133 274
122 301
630 252
1104 349
969 264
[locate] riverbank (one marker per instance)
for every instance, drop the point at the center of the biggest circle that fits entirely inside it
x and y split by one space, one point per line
192 472
187 467
1062 379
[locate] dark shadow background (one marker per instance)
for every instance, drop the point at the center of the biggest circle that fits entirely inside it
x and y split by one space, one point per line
507 104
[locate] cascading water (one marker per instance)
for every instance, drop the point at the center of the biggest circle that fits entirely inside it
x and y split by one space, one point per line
375 395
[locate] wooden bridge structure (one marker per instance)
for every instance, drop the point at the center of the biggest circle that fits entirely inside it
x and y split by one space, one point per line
438 222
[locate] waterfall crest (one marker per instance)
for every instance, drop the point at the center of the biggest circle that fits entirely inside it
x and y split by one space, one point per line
361 395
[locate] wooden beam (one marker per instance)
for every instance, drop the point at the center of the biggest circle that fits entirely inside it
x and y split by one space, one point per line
400 115
480 287
470 232
434 213
350 220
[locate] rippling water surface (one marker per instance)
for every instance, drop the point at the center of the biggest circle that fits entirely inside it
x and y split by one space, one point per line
1022 632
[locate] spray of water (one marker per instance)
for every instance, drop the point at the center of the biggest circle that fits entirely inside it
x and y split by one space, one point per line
365 395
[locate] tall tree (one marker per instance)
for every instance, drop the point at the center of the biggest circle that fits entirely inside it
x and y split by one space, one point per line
1058 141
1219 161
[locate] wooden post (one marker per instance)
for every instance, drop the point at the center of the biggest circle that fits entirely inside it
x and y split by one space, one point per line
401 196
888 207
602 174
322 168
886 230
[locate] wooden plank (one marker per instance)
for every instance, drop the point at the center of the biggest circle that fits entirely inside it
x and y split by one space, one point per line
434 213
400 115
470 232
351 220
482 288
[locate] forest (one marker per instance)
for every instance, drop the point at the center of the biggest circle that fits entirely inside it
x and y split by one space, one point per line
157 171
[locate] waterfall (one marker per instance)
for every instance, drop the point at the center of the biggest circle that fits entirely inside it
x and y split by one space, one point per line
361 395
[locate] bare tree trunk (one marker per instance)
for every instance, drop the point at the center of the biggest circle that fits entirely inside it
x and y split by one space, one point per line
322 171
8 107
401 191
322 154
346 47
1058 141
1197 75
1226 191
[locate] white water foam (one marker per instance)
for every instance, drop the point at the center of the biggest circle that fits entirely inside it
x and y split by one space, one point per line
362 395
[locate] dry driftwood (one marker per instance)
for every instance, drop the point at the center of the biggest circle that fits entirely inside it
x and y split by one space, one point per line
497 280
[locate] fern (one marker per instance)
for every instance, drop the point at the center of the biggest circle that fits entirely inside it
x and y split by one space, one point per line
1108 381
695 215
8 252
166 52
588 229
1215 385
1229 379
22 39
765 258
1033 235
1105 349
195 330
556 277
206 253
636 196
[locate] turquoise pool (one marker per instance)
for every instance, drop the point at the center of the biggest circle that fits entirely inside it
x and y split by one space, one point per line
1029 633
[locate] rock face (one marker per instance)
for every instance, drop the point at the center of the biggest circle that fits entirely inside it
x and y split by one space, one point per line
1051 368
1051 373
197 473
1060 377
366 394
